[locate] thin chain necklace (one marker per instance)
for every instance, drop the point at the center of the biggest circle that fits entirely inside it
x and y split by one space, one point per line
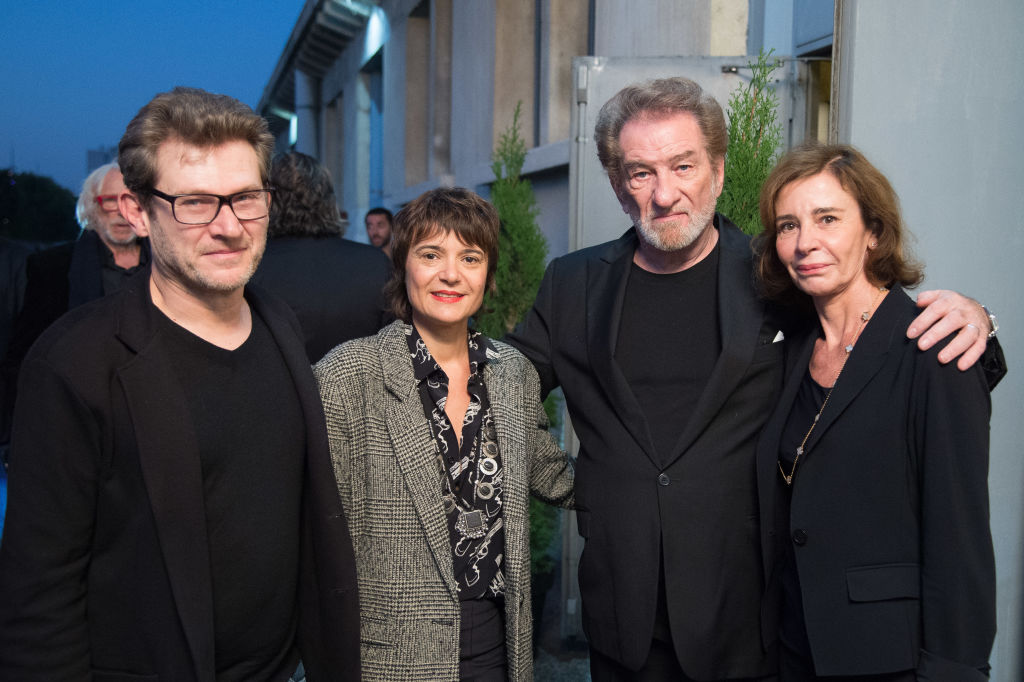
864 317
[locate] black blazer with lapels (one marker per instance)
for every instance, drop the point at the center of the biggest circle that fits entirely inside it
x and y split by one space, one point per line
693 514
889 516
104 565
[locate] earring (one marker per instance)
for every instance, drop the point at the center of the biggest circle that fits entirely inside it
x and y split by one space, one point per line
872 244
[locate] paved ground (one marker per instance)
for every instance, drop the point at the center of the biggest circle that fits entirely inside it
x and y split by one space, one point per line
555 659
549 668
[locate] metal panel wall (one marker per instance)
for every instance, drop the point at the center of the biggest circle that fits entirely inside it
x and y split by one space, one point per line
930 93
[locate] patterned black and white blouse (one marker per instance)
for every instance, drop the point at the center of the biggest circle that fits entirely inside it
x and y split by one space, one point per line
471 474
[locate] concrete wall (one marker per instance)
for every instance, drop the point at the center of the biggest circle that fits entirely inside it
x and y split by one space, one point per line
664 28
933 96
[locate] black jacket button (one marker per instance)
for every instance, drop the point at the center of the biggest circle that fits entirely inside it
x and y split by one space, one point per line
663 479
800 536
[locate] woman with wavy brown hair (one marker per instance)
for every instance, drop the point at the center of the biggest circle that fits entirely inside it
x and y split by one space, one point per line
873 470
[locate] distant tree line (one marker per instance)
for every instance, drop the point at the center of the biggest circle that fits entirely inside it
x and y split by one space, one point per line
34 208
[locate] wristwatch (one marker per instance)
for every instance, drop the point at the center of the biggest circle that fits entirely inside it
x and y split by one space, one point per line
991 320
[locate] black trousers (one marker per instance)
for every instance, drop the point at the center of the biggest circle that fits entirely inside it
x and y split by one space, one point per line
482 656
661 665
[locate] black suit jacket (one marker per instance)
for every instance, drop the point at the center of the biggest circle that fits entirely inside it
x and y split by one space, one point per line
104 567
694 514
889 515
57 279
335 286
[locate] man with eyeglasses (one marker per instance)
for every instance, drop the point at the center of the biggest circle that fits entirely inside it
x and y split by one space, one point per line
173 511
62 277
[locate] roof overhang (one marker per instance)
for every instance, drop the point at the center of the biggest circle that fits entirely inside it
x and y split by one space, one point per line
324 29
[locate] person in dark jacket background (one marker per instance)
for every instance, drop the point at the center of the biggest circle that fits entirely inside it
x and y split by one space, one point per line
62 277
334 285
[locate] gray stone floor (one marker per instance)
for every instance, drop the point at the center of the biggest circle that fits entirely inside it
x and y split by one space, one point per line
555 659
550 668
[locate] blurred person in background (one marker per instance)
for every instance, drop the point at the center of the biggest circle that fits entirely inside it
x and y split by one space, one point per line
378 228
334 285
57 279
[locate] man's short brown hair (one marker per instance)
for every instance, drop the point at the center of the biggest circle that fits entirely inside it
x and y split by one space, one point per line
196 117
658 99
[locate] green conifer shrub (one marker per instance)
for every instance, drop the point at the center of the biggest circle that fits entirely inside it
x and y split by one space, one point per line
754 138
521 261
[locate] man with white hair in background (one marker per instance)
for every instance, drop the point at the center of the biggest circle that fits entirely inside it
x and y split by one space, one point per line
106 253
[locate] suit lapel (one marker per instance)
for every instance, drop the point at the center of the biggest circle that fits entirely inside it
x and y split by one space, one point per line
414 448
865 361
169 458
606 293
740 315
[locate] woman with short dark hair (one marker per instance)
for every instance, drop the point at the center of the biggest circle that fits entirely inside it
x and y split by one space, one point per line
438 438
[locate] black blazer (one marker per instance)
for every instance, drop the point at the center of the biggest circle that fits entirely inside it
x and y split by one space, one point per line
57 279
694 514
104 568
335 286
889 511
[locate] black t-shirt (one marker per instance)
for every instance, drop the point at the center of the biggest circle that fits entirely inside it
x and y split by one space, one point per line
112 274
251 437
668 343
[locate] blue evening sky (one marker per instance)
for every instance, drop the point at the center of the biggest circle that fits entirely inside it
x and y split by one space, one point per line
74 72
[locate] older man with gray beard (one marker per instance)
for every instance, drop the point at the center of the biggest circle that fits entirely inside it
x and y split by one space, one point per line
670 364
62 277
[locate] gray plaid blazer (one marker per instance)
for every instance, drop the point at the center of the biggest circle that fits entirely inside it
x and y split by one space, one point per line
388 478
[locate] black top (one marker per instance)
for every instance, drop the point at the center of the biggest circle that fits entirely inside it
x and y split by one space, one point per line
668 343
809 399
471 473
114 275
251 437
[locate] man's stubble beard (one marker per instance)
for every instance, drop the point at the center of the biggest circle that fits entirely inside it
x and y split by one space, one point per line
674 237
189 274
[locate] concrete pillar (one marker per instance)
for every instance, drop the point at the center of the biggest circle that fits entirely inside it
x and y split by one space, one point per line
306 89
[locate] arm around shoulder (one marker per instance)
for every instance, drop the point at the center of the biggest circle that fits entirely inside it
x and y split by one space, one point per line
532 336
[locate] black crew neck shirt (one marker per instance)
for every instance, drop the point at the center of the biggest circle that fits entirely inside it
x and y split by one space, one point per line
251 438
668 343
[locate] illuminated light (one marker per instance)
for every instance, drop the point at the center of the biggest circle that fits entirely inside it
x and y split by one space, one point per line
293 130
377 33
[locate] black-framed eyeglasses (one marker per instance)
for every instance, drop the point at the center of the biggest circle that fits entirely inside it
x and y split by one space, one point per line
200 209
